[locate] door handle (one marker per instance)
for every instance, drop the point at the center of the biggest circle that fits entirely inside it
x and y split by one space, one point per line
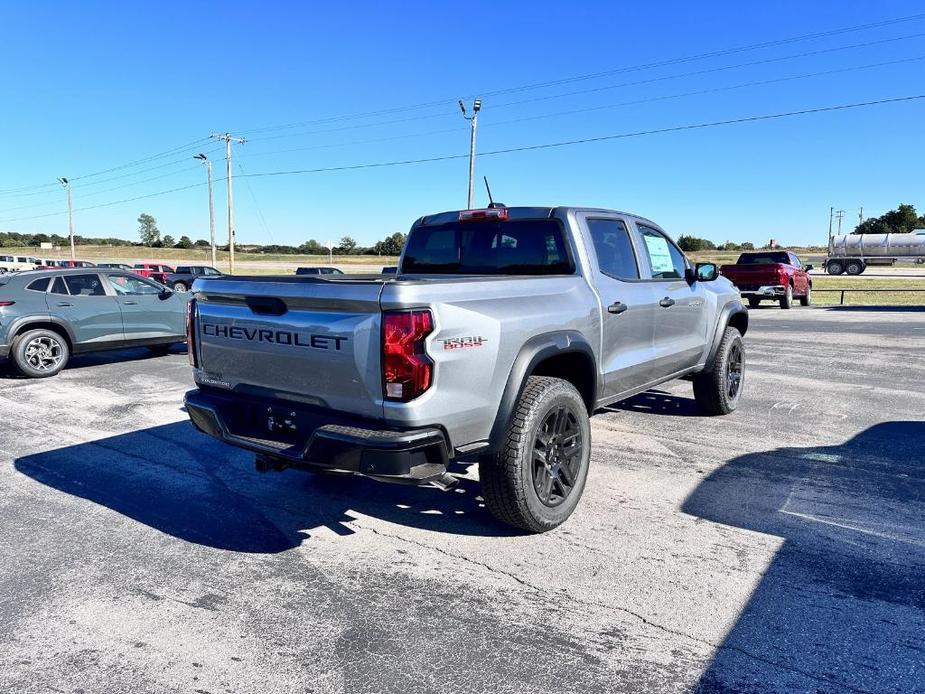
617 307
667 302
64 303
129 303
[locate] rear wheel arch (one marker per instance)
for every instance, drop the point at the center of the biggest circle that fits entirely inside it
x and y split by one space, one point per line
566 355
27 325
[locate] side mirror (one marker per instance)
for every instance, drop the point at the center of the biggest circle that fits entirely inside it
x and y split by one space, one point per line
706 272
165 294
808 268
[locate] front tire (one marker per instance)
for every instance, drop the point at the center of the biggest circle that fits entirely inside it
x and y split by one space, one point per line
180 287
754 302
536 479
835 267
808 299
39 353
718 387
786 301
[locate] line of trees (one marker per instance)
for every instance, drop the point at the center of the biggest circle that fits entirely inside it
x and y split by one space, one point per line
902 220
150 236
695 243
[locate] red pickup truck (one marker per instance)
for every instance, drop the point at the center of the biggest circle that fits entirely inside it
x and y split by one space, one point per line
775 275
154 271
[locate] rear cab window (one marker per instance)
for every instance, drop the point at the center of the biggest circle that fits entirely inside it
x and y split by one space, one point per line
770 258
506 247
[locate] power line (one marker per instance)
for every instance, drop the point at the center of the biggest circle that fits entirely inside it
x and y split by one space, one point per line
121 167
106 204
651 80
550 145
597 75
107 190
634 102
712 90
511 150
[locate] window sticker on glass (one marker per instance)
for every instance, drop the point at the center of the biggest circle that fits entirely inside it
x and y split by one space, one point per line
659 255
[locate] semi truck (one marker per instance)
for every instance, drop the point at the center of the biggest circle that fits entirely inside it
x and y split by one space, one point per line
853 253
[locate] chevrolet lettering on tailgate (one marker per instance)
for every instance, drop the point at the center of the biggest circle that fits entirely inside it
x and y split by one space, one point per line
275 337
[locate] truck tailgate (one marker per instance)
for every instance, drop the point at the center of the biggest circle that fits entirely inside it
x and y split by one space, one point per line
752 276
311 340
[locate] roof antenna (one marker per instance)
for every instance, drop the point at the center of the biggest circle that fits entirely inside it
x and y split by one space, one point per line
491 203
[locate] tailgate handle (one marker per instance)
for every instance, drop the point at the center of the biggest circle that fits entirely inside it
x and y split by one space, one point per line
266 305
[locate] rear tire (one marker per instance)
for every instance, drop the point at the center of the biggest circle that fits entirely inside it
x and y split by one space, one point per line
808 299
854 267
834 267
180 287
786 301
718 387
753 302
537 477
39 353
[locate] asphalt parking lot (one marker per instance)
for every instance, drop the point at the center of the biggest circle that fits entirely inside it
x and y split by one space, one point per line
779 549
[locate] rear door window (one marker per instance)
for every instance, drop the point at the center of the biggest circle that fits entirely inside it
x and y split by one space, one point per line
58 286
614 248
85 285
511 247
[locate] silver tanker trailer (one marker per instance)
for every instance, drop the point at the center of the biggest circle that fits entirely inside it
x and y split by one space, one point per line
852 253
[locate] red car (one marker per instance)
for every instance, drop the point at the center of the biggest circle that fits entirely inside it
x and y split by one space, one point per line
154 271
775 275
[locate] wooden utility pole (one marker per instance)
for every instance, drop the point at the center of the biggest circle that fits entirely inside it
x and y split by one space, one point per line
228 138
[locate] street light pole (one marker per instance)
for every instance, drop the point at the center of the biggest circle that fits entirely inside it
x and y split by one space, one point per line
473 124
70 215
204 158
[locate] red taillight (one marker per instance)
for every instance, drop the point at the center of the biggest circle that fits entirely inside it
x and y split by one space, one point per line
6 303
491 214
406 369
191 333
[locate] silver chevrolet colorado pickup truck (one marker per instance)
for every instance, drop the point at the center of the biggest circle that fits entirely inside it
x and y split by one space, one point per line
501 332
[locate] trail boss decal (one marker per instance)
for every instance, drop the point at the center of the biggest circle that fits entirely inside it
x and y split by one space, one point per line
274 337
463 342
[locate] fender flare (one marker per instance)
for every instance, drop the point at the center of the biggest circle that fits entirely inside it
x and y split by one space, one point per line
534 351
732 308
24 321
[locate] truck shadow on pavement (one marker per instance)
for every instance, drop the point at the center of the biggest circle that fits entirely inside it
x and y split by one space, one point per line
658 402
186 484
842 605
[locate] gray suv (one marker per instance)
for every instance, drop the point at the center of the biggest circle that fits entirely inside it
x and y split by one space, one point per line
500 333
47 315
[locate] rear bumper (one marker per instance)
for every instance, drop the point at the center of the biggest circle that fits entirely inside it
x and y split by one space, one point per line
292 435
767 291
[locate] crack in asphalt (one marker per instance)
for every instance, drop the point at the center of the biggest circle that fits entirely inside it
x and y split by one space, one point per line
617 608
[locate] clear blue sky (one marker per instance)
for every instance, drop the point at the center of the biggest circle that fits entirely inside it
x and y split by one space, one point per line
91 86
